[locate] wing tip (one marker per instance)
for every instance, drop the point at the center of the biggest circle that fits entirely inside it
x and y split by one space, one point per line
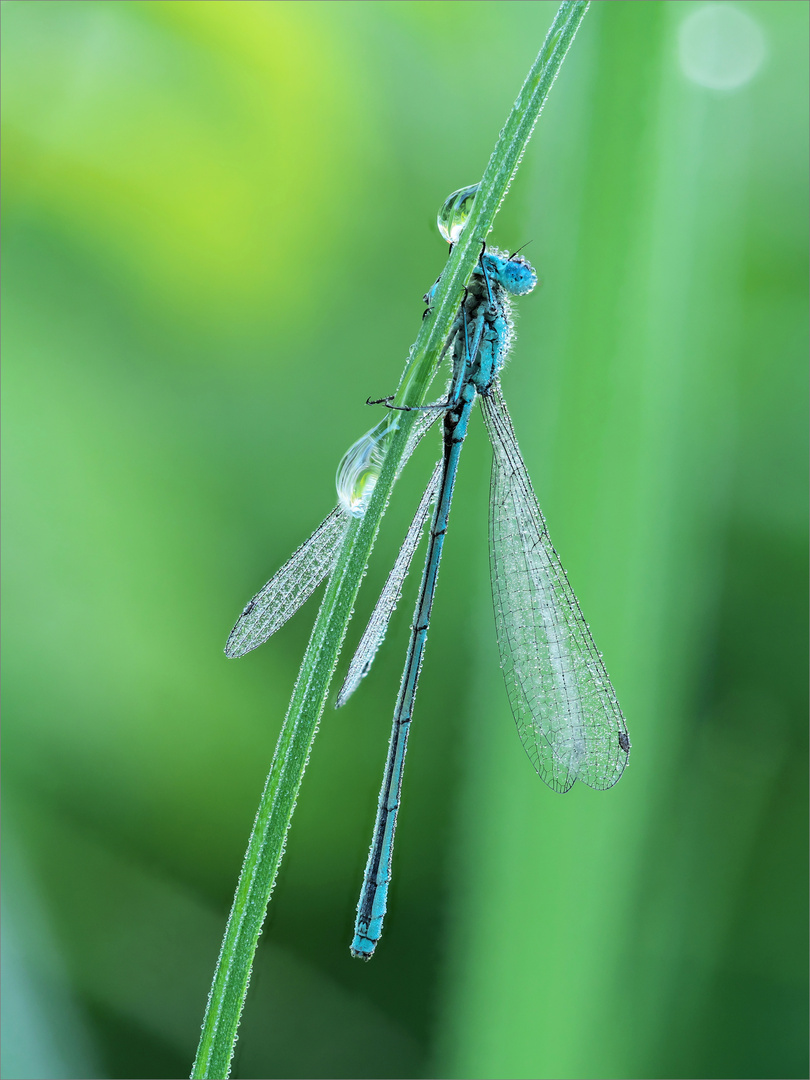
234 647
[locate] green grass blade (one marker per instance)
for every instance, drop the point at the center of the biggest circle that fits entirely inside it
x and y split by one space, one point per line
267 840
502 166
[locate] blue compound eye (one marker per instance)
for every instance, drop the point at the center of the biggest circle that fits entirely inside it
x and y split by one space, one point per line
515 274
518 277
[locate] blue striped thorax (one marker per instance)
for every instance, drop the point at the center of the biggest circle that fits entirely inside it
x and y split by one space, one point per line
488 315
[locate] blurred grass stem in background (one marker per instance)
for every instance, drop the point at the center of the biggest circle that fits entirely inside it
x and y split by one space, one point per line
266 845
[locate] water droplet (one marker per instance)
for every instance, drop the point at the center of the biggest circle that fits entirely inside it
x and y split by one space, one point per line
455 210
359 470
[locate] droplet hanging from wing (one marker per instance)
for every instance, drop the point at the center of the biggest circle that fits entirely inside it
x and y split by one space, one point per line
300 576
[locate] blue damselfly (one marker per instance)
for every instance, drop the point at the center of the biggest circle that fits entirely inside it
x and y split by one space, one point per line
566 711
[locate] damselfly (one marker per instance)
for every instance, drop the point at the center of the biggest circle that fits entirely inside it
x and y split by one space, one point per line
566 711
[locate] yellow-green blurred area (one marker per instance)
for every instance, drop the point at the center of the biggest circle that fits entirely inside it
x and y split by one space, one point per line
218 227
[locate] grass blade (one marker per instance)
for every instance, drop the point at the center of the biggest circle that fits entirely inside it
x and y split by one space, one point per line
267 840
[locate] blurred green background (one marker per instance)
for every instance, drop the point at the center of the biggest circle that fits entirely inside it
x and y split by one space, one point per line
218 226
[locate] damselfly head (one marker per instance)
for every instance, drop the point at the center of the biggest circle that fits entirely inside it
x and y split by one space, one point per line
515 274
519 276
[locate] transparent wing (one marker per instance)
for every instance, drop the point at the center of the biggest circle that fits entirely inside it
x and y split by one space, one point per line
290 587
303 572
374 633
566 711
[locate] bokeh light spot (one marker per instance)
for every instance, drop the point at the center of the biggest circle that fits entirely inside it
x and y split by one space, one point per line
720 47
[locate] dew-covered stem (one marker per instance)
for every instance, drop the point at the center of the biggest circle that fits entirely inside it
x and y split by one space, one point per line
266 845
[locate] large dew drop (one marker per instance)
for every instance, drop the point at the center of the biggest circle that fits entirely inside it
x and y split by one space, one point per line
359 470
455 210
